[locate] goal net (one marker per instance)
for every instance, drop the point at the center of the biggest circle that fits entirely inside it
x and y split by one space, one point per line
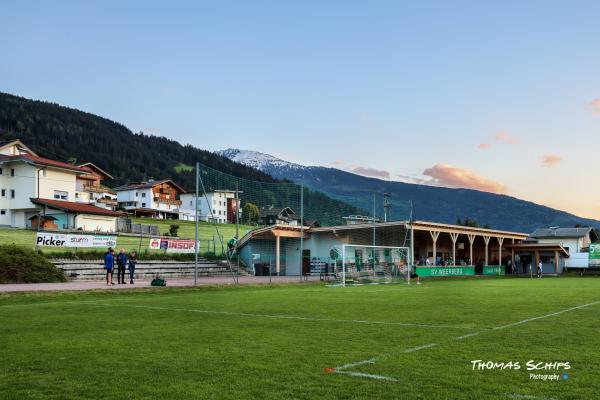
363 264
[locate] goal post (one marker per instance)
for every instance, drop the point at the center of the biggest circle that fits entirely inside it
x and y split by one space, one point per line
366 264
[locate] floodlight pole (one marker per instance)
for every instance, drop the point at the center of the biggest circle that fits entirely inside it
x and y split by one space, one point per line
237 223
196 241
373 252
301 229
237 212
343 265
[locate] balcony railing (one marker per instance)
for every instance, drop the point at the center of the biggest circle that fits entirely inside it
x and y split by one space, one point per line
107 201
167 201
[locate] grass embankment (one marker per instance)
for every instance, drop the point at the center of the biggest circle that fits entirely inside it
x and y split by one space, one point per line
284 342
206 233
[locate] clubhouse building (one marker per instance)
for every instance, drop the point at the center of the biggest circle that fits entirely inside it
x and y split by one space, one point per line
277 248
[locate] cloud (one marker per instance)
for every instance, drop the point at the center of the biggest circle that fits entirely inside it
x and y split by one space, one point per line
375 173
450 176
551 160
503 136
339 163
417 179
484 146
595 106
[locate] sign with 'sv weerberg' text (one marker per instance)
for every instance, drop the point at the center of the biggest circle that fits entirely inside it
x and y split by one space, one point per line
74 240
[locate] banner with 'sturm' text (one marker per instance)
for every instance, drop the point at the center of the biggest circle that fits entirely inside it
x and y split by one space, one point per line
74 240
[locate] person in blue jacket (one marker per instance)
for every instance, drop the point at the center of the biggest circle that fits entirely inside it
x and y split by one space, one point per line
109 265
121 265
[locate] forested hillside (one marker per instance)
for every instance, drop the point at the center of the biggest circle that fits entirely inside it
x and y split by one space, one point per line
67 134
70 135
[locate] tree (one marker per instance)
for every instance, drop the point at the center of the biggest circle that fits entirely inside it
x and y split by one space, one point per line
250 214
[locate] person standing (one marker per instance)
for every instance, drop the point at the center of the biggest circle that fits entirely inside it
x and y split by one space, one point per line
132 262
539 269
121 264
109 265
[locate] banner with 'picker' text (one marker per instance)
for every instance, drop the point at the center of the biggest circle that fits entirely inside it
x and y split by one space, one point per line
74 240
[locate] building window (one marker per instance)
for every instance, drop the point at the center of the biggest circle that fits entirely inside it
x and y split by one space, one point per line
0 171
3 192
143 205
12 172
2 212
190 203
61 195
136 194
143 194
76 195
12 193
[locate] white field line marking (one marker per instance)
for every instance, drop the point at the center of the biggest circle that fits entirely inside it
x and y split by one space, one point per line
468 335
425 346
291 317
342 370
530 397
371 376
356 364
546 316
430 345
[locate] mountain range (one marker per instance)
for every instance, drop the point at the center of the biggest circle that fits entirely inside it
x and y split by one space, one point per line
429 203
71 135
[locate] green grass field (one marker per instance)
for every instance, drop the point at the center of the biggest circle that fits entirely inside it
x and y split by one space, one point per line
206 232
285 342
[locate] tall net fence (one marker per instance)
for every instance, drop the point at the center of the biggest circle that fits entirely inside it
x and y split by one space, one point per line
283 228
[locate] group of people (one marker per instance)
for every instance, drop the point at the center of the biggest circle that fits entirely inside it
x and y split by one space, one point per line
122 261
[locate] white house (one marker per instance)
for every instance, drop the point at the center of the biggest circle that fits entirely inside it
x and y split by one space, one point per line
90 190
155 199
222 203
575 240
26 178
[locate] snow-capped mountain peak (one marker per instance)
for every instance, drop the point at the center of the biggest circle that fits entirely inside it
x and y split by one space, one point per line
258 160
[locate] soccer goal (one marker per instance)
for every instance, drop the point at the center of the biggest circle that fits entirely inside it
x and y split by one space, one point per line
363 264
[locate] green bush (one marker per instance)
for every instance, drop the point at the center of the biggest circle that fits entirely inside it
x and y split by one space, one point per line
22 265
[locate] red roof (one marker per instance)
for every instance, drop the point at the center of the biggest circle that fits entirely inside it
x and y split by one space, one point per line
75 207
43 161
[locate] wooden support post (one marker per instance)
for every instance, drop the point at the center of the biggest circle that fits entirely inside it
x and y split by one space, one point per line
556 261
277 253
454 237
537 260
512 259
486 239
434 237
471 240
500 242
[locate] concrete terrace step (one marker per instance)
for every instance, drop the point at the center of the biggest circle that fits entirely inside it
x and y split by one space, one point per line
94 269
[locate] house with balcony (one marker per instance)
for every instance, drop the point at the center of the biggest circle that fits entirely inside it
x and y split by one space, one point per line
153 199
90 189
219 206
38 192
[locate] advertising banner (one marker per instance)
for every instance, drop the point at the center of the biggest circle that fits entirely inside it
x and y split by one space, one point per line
594 253
445 271
173 245
74 240
494 270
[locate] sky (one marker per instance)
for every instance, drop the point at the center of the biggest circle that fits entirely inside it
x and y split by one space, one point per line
498 96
